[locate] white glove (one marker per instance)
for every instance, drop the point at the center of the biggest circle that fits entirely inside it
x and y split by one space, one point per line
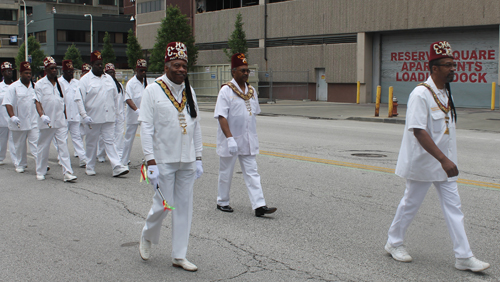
15 119
153 174
137 112
88 120
232 146
199 169
45 119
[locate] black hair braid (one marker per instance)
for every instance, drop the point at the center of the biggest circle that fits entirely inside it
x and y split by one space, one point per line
118 86
452 104
190 101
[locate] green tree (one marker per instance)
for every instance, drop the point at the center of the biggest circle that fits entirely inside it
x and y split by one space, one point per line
174 27
107 53
73 54
37 55
237 41
134 50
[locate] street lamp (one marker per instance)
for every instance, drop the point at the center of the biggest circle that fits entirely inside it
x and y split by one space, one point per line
91 32
25 34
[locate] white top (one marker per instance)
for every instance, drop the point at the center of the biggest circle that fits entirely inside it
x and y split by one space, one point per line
99 97
4 116
120 101
423 112
70 91
242 125
134 93
52 104
21 98
161 133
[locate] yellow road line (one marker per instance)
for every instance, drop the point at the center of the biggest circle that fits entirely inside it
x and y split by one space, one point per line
359 166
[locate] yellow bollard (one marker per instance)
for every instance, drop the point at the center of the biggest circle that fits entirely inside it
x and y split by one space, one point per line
377 103
390 101
493 89
357 94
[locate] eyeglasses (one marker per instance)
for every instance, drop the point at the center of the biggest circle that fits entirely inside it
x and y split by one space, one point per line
448 65
244 71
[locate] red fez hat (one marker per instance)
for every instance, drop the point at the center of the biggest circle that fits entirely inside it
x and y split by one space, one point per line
67 65
95 56
109 66
49 61
141 64
86 67
6 66
176 51
25 66
237 60
439 50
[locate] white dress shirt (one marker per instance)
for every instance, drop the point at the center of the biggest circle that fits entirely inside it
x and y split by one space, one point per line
134 93
242 125
70 91
21 98
414 162
98 94
52 103
4 116
161 134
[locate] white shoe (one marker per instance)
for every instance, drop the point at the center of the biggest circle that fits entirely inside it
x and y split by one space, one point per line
101 159
90 172
20 169
471 263
83 163
144 248
2 163
68 177
398 253
184 264
119 170
40 177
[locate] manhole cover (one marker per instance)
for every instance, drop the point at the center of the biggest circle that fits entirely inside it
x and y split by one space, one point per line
368 155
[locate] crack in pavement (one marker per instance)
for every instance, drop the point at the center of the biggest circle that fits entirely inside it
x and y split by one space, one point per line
255 262
111 198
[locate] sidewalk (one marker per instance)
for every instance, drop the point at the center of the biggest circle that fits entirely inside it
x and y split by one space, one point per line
468 118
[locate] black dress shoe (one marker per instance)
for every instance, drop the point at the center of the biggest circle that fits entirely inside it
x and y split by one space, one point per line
264 210
225 208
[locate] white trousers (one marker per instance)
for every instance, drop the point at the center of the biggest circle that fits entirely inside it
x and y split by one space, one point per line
106 131
119 141
129 142
60 137
76 138
250 175
176 184
6 141
450 204
20 138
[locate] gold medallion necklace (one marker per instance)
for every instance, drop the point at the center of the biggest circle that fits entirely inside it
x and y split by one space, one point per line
179 106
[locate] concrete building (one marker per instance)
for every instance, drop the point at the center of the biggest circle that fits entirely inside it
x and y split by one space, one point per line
59 23
149 14
9 17
376 42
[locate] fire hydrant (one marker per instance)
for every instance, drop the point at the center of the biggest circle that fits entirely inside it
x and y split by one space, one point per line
394 106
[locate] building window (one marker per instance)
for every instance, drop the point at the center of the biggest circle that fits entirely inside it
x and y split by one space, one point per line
73 36
8 15
107 2
150 6
81 2
114 37
41 36
215 5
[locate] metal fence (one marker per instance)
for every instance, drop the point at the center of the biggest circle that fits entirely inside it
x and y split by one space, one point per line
269 84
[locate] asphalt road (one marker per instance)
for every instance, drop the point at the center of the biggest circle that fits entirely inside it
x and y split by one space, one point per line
331 180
